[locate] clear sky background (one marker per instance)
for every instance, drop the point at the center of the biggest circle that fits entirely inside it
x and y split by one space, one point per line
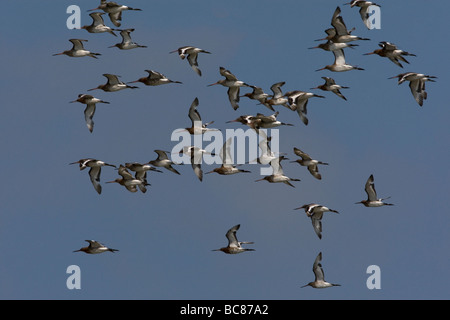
165 237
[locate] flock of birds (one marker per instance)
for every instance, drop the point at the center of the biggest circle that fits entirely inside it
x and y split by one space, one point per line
338 38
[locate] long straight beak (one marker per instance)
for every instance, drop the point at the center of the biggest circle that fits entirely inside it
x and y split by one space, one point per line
259 180
369 53
321 69
212 84
314 47
93 9
57 54
92 89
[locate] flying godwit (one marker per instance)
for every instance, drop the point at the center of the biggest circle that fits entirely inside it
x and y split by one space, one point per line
154 78
78 50
113 84
197 127
260 121
364 9
163 161
233 85
372 199
114 10
192 55
319 281
308 162
127 43
416 84
390 51
278 174
195 155
130 182
277 98
234 246
267 122
339 64
89 111
315 212
141 170
98 25
298 100
227 166
341 33
330 85
95 248
259 95
94 171
244 119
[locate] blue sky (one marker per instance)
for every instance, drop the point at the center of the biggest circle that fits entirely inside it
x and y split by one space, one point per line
165 237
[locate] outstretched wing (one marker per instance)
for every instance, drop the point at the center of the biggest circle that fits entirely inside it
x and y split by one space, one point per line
124 173
192 58
227 74
162 155
370 189
88 116
112 79
317 225
77 44
301 154
126 38
276 89
231 236
317 268
94 174
194 115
